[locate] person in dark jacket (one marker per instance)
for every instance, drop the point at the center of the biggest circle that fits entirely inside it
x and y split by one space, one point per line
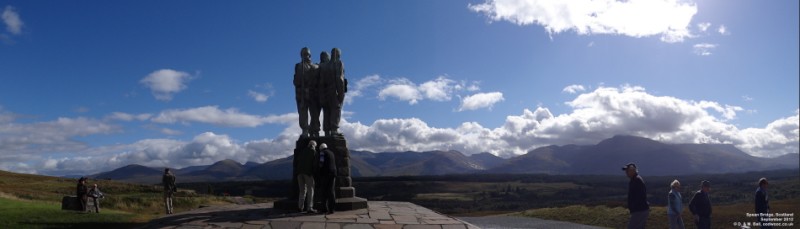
762 200
700 206
637 197
327 175
83 193
168 180
305 165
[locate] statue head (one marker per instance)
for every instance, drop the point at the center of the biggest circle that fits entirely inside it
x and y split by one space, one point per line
336 54
305 54
324 58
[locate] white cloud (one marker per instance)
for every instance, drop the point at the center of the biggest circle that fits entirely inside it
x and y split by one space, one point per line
121 116
594 116
165 83
230 117
703 26
204 149
439 89
11 18
360 87
723 30
636 18
59 135
575 88
258 97
747 98
480 100
704 49
402 89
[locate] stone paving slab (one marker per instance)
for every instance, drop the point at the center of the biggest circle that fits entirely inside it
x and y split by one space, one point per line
378 215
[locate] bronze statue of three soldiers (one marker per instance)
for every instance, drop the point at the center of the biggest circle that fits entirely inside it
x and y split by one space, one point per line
319 88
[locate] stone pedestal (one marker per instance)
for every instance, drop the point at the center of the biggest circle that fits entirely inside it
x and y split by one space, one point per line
345 192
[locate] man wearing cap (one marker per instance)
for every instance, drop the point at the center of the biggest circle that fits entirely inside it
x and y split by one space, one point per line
637 197
700 206
762 200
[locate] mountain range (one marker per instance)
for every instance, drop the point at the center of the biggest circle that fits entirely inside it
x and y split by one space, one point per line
607 157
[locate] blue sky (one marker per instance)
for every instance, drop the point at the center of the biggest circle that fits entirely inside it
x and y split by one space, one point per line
90 86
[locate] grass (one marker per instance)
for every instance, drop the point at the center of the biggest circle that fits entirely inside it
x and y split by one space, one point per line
443 196
35 214
617 217
33 201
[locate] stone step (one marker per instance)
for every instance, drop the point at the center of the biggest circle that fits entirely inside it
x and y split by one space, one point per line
352 203
345 192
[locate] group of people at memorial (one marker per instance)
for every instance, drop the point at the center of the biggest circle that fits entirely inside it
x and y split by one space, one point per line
699 205
316 165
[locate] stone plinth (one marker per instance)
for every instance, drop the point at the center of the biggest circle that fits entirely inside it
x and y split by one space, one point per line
345 192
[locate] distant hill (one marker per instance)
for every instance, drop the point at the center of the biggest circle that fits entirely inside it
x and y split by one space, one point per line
652 158
487 160
606 157
132 173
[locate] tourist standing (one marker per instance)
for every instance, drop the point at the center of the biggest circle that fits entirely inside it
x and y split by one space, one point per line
327 174
637 197
700 206
168 180
762 200
675 206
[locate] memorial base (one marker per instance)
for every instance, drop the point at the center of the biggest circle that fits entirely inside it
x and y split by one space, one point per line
345 192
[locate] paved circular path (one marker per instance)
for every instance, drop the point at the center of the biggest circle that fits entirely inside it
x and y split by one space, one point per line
521 222
379 215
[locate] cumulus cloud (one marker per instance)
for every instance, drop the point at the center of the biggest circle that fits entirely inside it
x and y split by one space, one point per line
59 135
480 100
636 18
572 89
596 115
258 97
591 117
205 148
439 89
703 49
230 117
11 18
402 89
165 83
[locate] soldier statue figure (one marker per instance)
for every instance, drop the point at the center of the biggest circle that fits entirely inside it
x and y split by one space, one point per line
333 86
320 88
305 79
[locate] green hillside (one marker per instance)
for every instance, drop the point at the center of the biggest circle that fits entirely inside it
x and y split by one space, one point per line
34 201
